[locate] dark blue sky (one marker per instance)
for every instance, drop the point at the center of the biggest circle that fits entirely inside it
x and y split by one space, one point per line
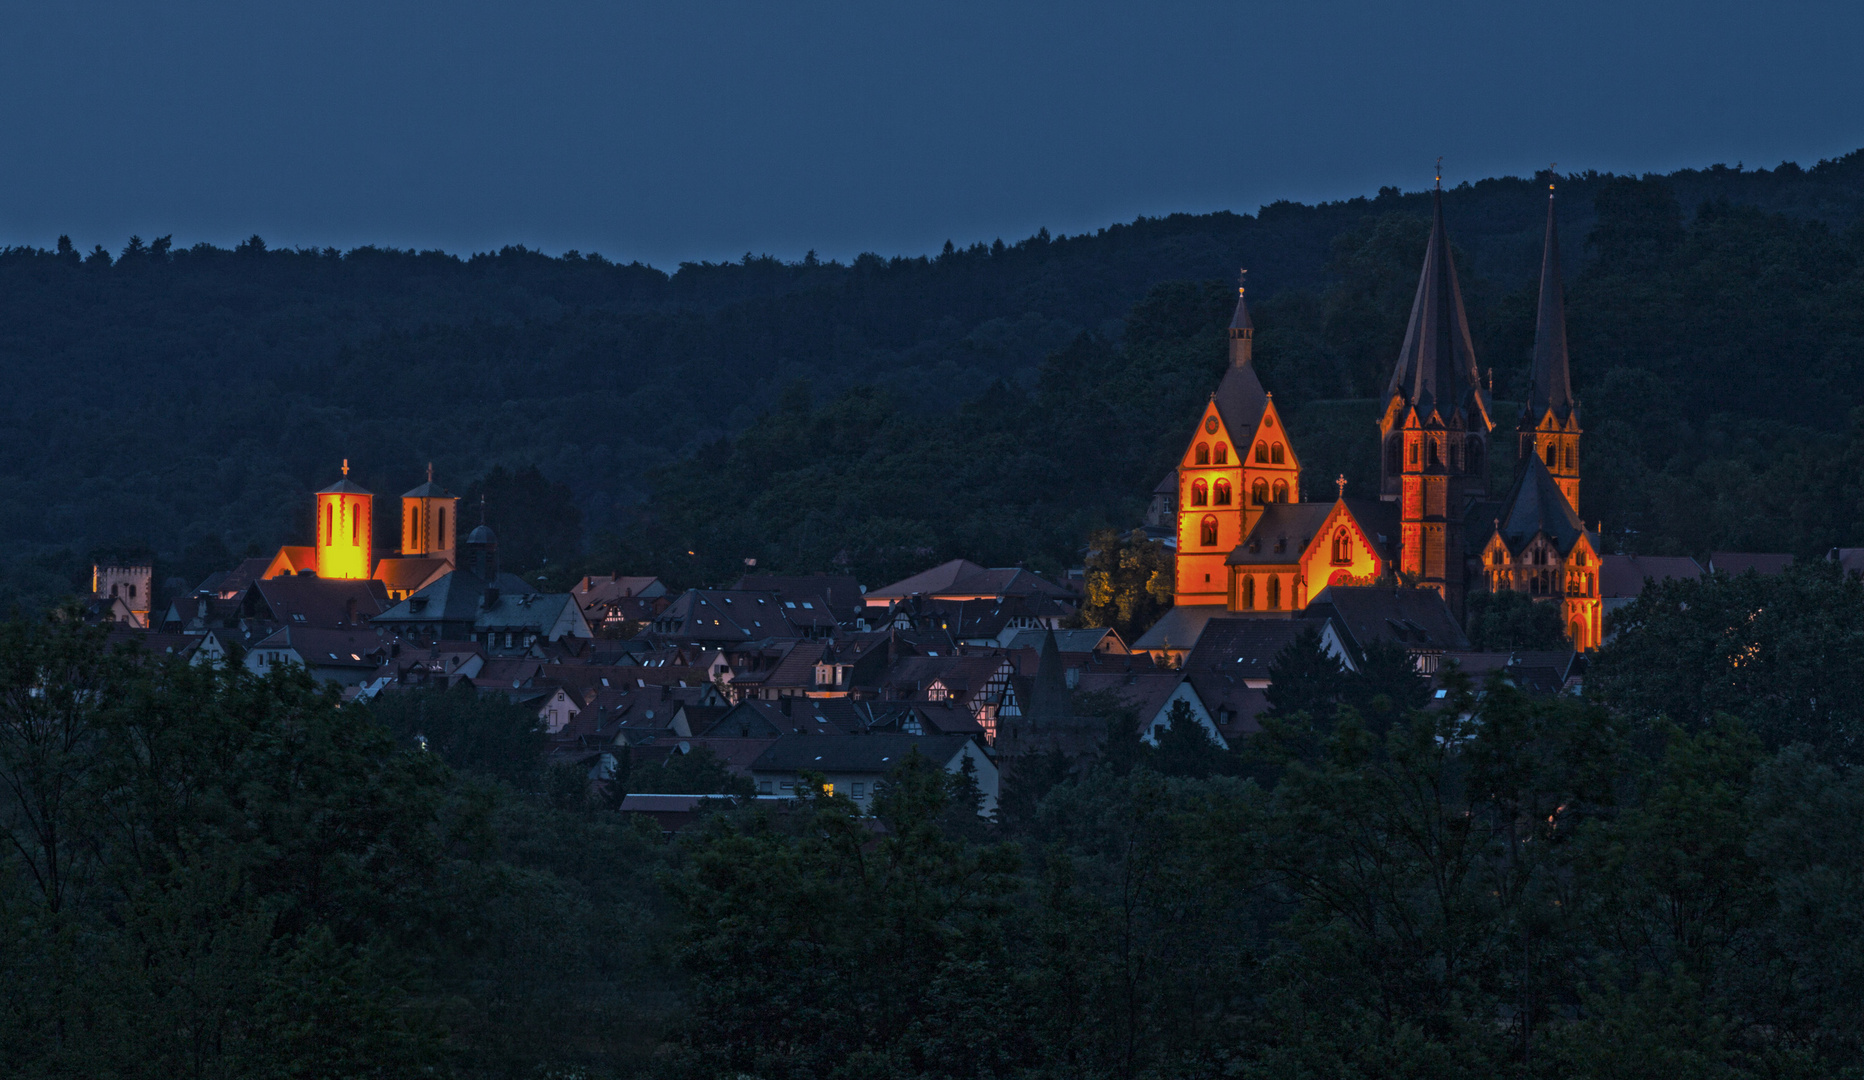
672 131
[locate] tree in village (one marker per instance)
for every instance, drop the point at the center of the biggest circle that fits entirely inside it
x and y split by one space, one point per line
1129 583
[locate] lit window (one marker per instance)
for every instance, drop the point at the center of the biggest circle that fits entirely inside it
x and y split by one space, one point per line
1221 454
1203 453
1275 453
1208 533
1262 453
1200 493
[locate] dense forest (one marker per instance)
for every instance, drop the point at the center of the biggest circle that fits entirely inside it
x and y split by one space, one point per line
211 873
997 401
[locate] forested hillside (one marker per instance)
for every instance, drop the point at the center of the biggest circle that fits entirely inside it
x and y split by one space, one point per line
995 400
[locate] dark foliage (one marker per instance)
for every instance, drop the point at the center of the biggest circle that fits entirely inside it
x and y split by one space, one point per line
1714 327
1512 620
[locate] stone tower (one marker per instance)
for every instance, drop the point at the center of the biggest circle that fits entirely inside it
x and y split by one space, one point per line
345 530
1434 431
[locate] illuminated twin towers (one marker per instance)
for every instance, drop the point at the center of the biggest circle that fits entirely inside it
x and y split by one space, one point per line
345 547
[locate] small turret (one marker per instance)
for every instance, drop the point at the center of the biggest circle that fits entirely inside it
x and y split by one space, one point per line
1242 331
345 530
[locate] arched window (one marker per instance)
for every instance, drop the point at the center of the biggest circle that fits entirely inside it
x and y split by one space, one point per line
1281 491
1274 592
1249 592
1262 453
330 528
1222 493
1456 456
1342 546
1473 460
1221 454
440 529
1569 457
1200 493
1578 634
1275 454
1259 492
1414 453
1203 453
1552 455
1436 458
355 528
1207 535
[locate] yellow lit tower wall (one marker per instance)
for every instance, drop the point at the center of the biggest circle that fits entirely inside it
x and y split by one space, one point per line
429 519
345 530
1236 463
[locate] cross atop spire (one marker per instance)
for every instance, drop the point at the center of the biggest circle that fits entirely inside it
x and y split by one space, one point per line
482 508
1341 483
430 472
346 466
1439 184
1242 280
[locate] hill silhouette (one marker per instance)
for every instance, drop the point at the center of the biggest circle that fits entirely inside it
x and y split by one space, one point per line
995 400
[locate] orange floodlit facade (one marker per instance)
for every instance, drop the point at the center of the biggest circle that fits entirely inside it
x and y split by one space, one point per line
1246 541
345 530
429 518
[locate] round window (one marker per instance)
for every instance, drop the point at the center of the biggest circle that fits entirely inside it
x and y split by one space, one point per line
1210 424
1268 421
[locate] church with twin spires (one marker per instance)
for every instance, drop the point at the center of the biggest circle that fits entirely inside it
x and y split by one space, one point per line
1252 541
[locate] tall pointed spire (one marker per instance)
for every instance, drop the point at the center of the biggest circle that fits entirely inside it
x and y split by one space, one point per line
1551 383
1242 331
1437 366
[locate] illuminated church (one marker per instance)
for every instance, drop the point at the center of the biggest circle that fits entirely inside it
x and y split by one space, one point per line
1248 542
345 550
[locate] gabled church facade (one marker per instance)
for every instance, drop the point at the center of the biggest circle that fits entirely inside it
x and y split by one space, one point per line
1251 541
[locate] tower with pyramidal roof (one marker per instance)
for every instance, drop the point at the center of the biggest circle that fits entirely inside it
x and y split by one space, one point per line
1538 544
1434 430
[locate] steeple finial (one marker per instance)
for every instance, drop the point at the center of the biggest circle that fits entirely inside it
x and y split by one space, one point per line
482 508
1550 381
430 472
1439 185
346 466
1242 330
1340 482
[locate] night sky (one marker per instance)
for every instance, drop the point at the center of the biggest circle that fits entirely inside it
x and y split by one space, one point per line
668 132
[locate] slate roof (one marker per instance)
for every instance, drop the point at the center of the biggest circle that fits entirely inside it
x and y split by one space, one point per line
856 753
1179 628
1551 385
1436 367
1740 562
1624 575
962 577
315 601
1417 619
321 647
345 486
841 592
1287 525
1241 648
724 615
1068 641
530 612
1240 400
454 598
1534 505
408 573
1144 692
428 490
